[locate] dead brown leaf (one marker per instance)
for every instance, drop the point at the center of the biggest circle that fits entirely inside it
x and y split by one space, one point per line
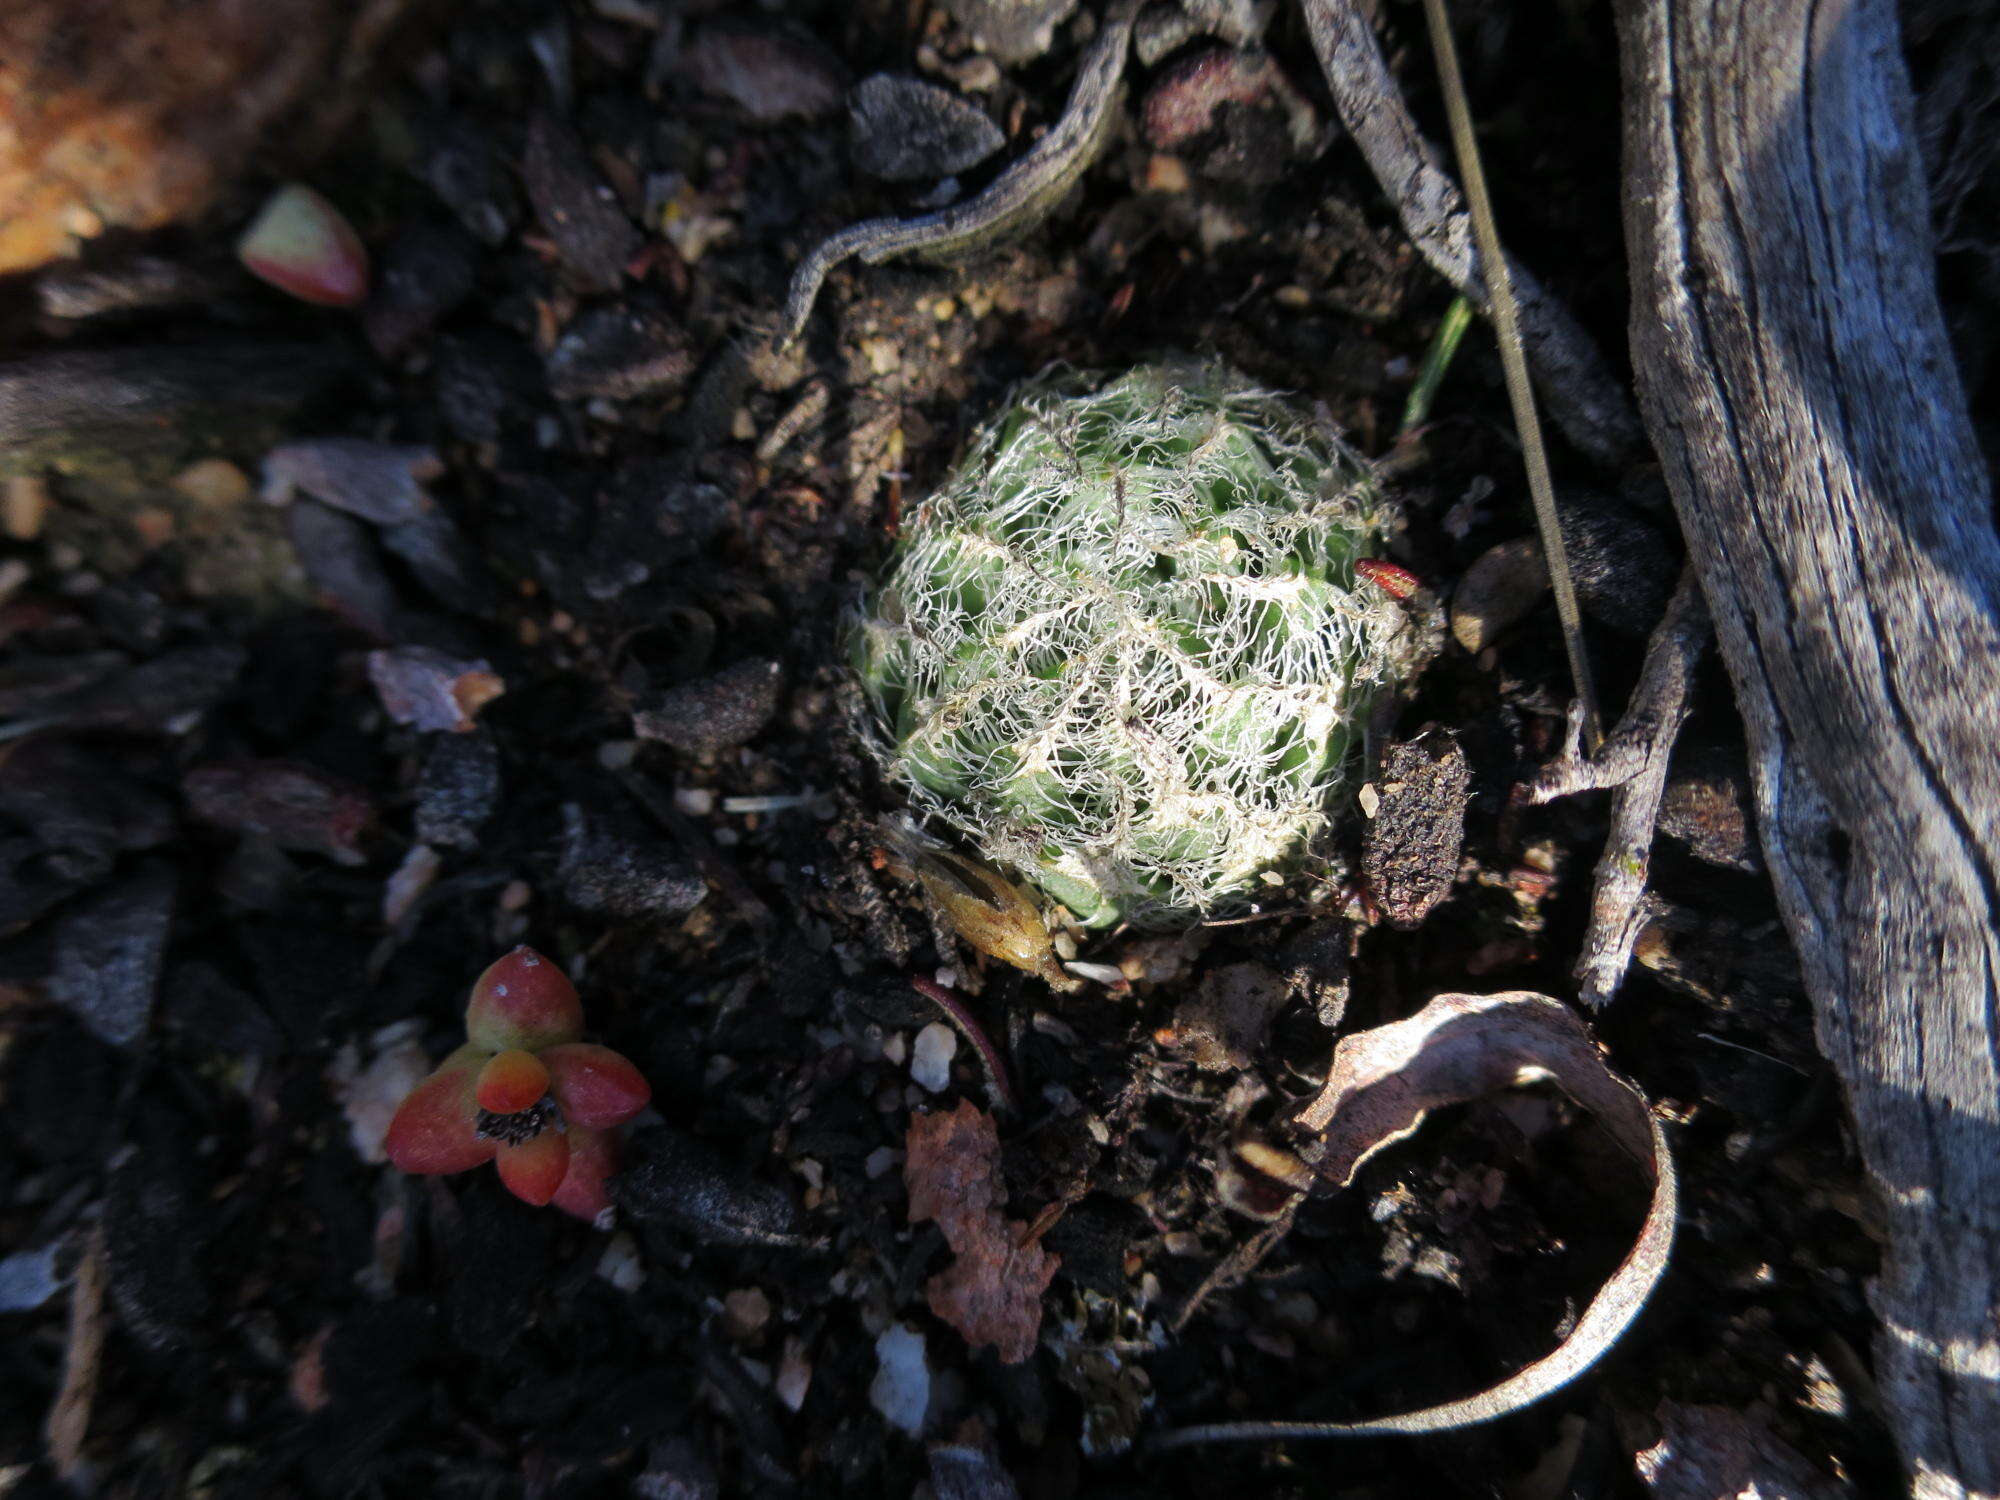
951 1167
992 1291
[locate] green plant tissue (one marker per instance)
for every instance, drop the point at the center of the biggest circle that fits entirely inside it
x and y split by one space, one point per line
1123 649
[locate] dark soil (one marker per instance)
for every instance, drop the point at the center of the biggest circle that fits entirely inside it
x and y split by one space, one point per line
649 534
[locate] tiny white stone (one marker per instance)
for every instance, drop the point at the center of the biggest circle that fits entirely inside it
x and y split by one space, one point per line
901 1391
620 1264
795 1373
930 1058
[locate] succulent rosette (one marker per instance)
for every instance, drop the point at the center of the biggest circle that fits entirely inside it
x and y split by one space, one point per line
525 1092
1129 648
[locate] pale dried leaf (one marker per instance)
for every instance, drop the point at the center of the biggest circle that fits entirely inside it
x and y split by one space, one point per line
1459 1047
69 1417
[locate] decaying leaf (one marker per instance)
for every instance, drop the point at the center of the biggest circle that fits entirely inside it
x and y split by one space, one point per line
951 1168
986 909
1459 1047
992 1291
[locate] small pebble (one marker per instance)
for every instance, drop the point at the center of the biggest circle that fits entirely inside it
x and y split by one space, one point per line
24 507
620 1264
745 1311
717 713
1165 174
795 1373
901 1390
413 877
930 1058
430 690
608 868
29 1278
379 482
213 484
1013 31
577 209
108 952
906 130
297 806
619 353
457 790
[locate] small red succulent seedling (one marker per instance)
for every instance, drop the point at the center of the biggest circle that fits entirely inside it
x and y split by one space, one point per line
524 1093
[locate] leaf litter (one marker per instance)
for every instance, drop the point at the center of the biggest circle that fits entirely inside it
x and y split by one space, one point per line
992 1291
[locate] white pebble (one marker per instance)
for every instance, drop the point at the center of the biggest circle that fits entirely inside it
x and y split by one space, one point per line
795 1373
620 1263
930 1058
901 1391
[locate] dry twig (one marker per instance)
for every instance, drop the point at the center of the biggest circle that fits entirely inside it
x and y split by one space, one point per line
1634 760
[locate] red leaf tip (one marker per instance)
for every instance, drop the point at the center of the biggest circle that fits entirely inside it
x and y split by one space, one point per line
511 1081
302 244
523 1001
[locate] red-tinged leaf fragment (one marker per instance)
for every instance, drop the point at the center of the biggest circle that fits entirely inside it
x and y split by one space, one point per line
1396 582
596 1087
534 1169
951 1167
511 1081
992 1292
523 1000
303 245
436 1128
296 806
593 1157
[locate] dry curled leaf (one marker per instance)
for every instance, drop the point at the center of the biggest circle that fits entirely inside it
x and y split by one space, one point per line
992 1291
1385 1080
951 1167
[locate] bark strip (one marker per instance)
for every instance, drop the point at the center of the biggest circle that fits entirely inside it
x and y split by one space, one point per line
1795 377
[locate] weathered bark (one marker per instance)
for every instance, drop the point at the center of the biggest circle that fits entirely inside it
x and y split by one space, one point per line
1795 377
